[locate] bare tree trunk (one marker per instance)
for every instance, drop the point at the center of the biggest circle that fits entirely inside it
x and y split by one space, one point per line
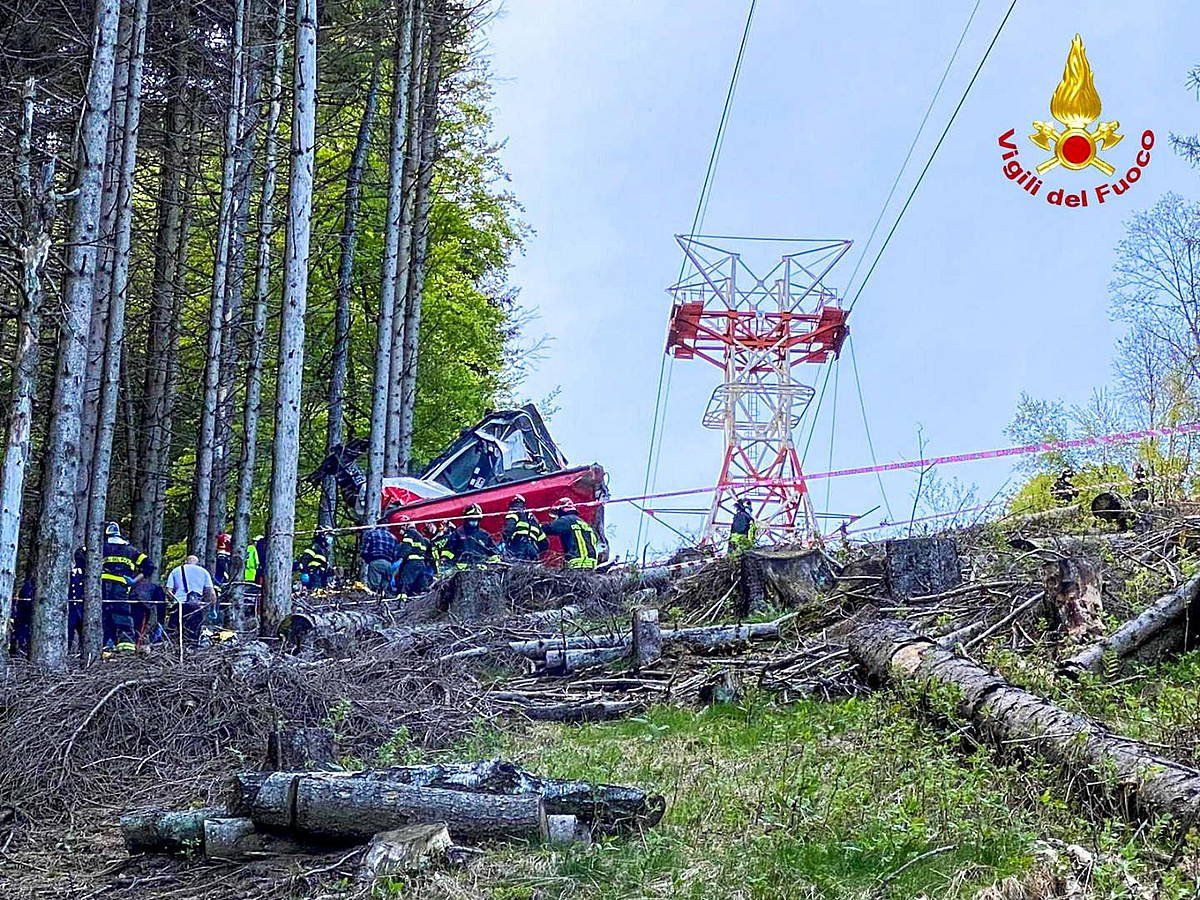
115 340
35 203
341 331
420 233
232 337
102 289
387 293
56 529
262 285
277 596
164 296
205 445
412 163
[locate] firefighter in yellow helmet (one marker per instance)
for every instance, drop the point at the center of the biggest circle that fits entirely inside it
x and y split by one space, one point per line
580 545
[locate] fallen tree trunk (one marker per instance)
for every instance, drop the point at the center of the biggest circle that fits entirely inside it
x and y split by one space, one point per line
721 637
1178 610
581 711
165 830
1141 783
265 796
346 807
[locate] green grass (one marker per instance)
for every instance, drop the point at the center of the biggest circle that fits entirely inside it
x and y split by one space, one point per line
814 800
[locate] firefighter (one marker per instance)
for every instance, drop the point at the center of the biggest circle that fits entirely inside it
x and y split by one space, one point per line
224 553
124 566
439 541
415 573
313 564
524 539
470 545
1063 490
744 529
1141 487
577 536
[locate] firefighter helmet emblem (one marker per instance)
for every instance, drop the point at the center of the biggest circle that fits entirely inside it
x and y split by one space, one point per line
1076 104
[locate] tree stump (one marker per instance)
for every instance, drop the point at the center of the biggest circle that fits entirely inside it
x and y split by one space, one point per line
1074 598
647 637
402 850
291 749
921 566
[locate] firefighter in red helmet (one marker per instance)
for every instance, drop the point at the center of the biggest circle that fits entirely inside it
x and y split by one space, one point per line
580 545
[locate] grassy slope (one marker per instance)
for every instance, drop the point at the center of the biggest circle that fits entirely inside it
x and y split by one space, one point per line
849 799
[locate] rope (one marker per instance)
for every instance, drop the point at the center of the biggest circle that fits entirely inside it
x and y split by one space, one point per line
933 155
911 147
667 367
1116 437
867 426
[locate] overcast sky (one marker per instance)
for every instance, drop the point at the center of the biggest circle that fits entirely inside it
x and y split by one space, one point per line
609 109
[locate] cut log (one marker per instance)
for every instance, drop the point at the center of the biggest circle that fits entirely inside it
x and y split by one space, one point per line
333 632
562 662
1074 597
920 566
237 840
407 849
1125 772
1177 612
720 637
582 711
344 807
167 831
267 797
291 749
647 637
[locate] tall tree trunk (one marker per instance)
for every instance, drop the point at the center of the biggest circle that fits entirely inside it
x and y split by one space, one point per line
205 444
101 290
387 293
56 531
164 294
277 597
232 338
419 39
341 331
420 232
35 203
262 286
115 341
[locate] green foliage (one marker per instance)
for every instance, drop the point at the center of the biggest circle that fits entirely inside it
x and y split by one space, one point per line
1035 495
843 800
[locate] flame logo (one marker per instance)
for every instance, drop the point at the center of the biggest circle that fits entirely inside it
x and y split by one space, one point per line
1075 102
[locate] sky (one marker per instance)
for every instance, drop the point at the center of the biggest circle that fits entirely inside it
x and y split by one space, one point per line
608 110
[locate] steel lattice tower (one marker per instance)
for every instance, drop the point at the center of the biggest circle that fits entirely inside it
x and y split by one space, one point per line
758 330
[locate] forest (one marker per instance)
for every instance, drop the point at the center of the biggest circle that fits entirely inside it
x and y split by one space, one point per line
234 236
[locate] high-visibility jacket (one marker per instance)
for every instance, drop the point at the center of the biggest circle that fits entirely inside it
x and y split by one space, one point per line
523 535
578 540
415 547
312 560
742 532
443 556
252 563
123 563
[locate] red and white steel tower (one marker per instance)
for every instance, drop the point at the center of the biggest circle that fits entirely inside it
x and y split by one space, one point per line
758 330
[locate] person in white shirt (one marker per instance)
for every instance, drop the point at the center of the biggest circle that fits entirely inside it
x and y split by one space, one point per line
192 586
